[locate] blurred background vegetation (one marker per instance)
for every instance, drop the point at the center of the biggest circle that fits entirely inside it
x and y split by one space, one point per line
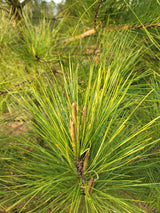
69 48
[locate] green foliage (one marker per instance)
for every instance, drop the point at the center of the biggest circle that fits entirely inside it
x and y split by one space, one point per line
79 118
37 42
118 12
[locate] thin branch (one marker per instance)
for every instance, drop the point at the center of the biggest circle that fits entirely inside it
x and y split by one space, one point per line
96 14
133 27
17 85
126 27
54 70
83 35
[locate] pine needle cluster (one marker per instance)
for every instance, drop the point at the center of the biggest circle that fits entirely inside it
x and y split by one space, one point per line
80 110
